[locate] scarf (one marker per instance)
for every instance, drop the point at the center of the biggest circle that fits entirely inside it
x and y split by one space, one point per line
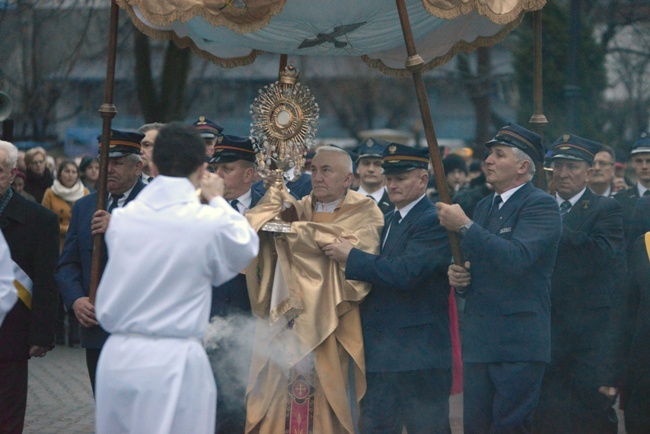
68 194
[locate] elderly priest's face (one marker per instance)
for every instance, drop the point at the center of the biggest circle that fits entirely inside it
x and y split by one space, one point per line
331 175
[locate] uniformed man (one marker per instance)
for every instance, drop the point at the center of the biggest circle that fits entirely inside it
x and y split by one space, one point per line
372 182
234 162
210 132
73 270
405 316
640 155
511 245
579 386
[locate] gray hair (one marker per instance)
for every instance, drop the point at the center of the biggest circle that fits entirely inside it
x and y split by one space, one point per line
521 156
152 126
335 149
134 158
12 153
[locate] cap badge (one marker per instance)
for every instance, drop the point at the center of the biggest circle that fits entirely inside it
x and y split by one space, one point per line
565 138
564 148
201 120
370 143
392 149
219 139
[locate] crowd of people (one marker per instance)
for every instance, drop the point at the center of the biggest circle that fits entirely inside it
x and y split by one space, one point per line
344 322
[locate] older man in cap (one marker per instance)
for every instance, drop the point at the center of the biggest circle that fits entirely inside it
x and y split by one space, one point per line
372 182
511 246
405 317
210 132
32 233
234 162
308 371
73 270
579 386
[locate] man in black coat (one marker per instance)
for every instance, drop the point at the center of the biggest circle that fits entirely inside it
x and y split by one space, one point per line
579 386
405 317
32 233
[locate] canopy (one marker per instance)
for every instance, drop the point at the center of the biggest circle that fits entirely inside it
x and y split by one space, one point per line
233 32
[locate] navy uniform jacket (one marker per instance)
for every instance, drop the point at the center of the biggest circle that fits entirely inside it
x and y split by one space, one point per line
384 204
628 199
405 317
639 222
73 270
232 296
508 306
32 233
585 296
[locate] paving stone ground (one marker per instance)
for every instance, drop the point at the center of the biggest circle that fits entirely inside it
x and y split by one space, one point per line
60 399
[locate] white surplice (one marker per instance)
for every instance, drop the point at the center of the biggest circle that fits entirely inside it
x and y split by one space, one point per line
165 252
8 295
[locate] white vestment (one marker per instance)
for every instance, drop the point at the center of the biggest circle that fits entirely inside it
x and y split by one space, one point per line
8 294
165 252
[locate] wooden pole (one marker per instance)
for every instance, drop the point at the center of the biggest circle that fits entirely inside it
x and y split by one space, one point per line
108 112
538 121
414 64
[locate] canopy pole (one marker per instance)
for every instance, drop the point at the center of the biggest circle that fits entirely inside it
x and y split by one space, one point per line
414 64
108 112
538 121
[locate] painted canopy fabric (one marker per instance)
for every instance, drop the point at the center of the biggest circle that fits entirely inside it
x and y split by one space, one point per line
233 32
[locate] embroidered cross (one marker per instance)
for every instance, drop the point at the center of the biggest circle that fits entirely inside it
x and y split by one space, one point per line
322 38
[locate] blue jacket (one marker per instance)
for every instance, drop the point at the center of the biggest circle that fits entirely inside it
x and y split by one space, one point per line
508 305
232 296
73 269
405 317
587 291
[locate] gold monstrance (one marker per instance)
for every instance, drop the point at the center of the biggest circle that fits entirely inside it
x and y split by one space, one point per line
284 120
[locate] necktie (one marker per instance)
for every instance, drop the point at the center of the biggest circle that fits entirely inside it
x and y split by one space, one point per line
373 199
397 217
564 208
394 222
494 209
233 204
114 199
149 179
495 204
